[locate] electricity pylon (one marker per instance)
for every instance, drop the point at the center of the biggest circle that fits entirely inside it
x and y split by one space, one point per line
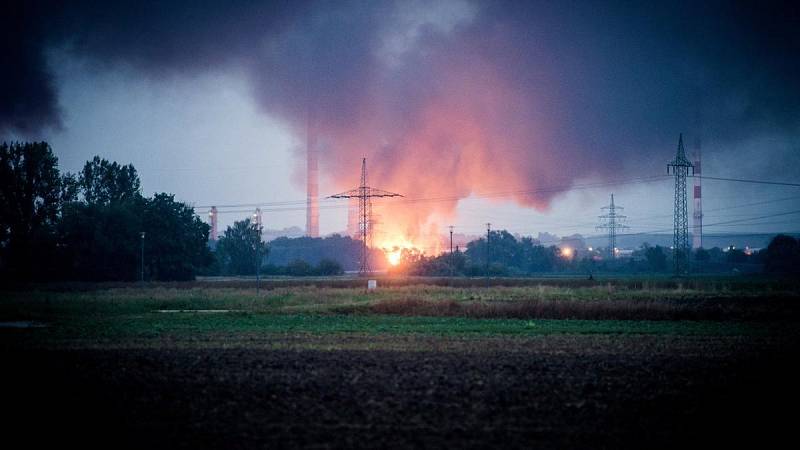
612 221
680 248
365 194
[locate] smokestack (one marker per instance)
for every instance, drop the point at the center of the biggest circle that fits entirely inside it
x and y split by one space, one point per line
257 218
352 218
212 217
312 183
697 217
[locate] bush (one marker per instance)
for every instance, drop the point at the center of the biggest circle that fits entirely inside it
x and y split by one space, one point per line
272 269
782 255
299 268
328 267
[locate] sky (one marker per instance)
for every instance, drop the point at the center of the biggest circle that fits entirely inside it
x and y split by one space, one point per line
521 114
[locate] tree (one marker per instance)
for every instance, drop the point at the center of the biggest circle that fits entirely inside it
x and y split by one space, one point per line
299 268
736 256
702 255
88 226
238 247
656 258
101 222
101 233
175 239
342 249
103 182
30 192
782 255
328 267
541 258
101 242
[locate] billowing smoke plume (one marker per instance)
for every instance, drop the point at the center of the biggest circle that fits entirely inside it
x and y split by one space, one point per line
446 98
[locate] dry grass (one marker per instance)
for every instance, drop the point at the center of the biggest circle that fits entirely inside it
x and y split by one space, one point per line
645 301
603 309
632 282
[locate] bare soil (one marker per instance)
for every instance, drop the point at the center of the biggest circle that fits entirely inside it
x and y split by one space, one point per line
402 392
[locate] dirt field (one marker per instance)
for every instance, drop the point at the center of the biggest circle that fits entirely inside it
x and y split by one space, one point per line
627 365
402 391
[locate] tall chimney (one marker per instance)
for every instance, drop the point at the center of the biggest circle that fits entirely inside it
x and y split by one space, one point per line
212 215
352 218
312 182
697 217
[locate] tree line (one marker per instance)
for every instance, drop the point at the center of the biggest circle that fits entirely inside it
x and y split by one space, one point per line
97 226
506 255
89 225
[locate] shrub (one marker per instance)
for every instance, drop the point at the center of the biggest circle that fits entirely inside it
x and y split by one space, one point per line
299 268
327 267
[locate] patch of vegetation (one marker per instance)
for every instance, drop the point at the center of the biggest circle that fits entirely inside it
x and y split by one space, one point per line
197 325
133 313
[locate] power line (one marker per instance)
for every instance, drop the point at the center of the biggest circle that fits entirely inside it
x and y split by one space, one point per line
741 180
721 223
500 194
540 190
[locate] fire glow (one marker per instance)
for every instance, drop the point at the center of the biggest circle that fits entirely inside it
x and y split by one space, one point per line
393 256
471 123
396 248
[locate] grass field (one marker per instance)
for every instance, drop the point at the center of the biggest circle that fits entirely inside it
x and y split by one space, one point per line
620 363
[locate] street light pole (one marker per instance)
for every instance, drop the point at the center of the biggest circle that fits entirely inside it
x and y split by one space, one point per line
142 235
488 240
258 247
452 260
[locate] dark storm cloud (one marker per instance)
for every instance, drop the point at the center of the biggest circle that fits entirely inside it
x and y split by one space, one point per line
702 58
160 38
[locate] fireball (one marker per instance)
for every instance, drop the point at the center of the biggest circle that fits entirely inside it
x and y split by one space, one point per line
393 257
394 248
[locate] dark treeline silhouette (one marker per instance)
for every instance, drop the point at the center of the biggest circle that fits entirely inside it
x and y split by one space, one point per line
236 254
88 226
300 268
240 251
342 249
510 256
783 255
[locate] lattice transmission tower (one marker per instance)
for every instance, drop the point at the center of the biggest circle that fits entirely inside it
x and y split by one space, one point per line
365 194
612 222
680 248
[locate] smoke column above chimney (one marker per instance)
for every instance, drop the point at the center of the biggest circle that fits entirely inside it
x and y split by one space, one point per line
312 182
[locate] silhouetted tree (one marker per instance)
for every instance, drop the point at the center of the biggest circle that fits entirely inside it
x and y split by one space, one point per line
782 255
238 247
101 242
30 193
328 267
176 239
101 227
702 254
342 249
656 258
736 256
103 182
299 268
